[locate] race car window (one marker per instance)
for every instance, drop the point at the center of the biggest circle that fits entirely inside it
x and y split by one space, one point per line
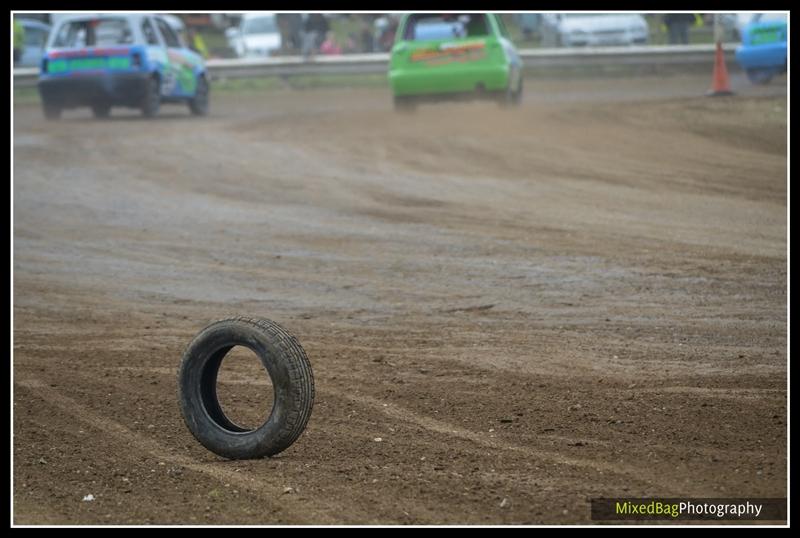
94 33
446 26
502 26
149 33
169 36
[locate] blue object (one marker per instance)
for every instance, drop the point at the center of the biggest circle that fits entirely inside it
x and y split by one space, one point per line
129 60
762 53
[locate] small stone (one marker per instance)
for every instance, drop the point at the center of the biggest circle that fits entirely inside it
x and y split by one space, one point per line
378 439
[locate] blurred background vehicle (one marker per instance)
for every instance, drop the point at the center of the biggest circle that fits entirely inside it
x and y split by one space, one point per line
453 55
530 25
593 29
257 35
128 60
763 52
33 41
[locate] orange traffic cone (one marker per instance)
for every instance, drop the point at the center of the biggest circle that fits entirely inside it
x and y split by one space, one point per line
719 83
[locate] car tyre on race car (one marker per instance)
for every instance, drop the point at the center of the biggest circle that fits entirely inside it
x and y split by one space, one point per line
101 110
511 97
287 366
151 100
404 104
51 111
198 105
516 98
760 76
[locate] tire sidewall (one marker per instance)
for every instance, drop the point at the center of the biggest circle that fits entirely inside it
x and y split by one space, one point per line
267 439
101 111
199 106
760 76
51 111
152 98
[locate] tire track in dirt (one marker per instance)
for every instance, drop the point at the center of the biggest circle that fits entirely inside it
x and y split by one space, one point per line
626 241
263 489
400 413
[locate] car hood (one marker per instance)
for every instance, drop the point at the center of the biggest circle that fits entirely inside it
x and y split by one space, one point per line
593 23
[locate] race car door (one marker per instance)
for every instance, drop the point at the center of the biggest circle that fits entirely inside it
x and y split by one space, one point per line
171 72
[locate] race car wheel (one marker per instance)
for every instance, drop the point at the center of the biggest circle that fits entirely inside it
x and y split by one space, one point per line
101 111
403 103
199 103
287 366
516 97
51 111
151 101
511 97
760 76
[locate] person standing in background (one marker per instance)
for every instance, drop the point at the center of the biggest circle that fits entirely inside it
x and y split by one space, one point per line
365 35
315 29
196 42
330 46
678 25
295 30
282 20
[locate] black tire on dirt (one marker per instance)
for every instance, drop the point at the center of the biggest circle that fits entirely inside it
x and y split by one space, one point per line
516 97
151 100
51 111
511 97
404 104
101 110
760 76
198 105
288 368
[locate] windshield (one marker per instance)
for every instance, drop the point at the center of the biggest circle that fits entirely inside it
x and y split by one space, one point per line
449 26
438 30
261 25
94 32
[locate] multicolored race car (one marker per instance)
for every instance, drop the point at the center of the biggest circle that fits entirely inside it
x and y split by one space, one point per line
451 55
126 60
762 53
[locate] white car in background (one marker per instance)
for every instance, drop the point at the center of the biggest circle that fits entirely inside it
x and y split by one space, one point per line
593 29
256 35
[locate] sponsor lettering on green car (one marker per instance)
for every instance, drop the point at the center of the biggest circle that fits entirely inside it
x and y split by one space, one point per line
452 55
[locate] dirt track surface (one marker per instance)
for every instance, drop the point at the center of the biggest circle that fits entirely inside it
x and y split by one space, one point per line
583 297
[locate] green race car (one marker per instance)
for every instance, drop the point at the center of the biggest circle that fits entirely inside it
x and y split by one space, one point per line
451 55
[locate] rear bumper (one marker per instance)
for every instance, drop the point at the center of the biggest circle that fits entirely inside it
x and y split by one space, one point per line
420 81
762 56
119 89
